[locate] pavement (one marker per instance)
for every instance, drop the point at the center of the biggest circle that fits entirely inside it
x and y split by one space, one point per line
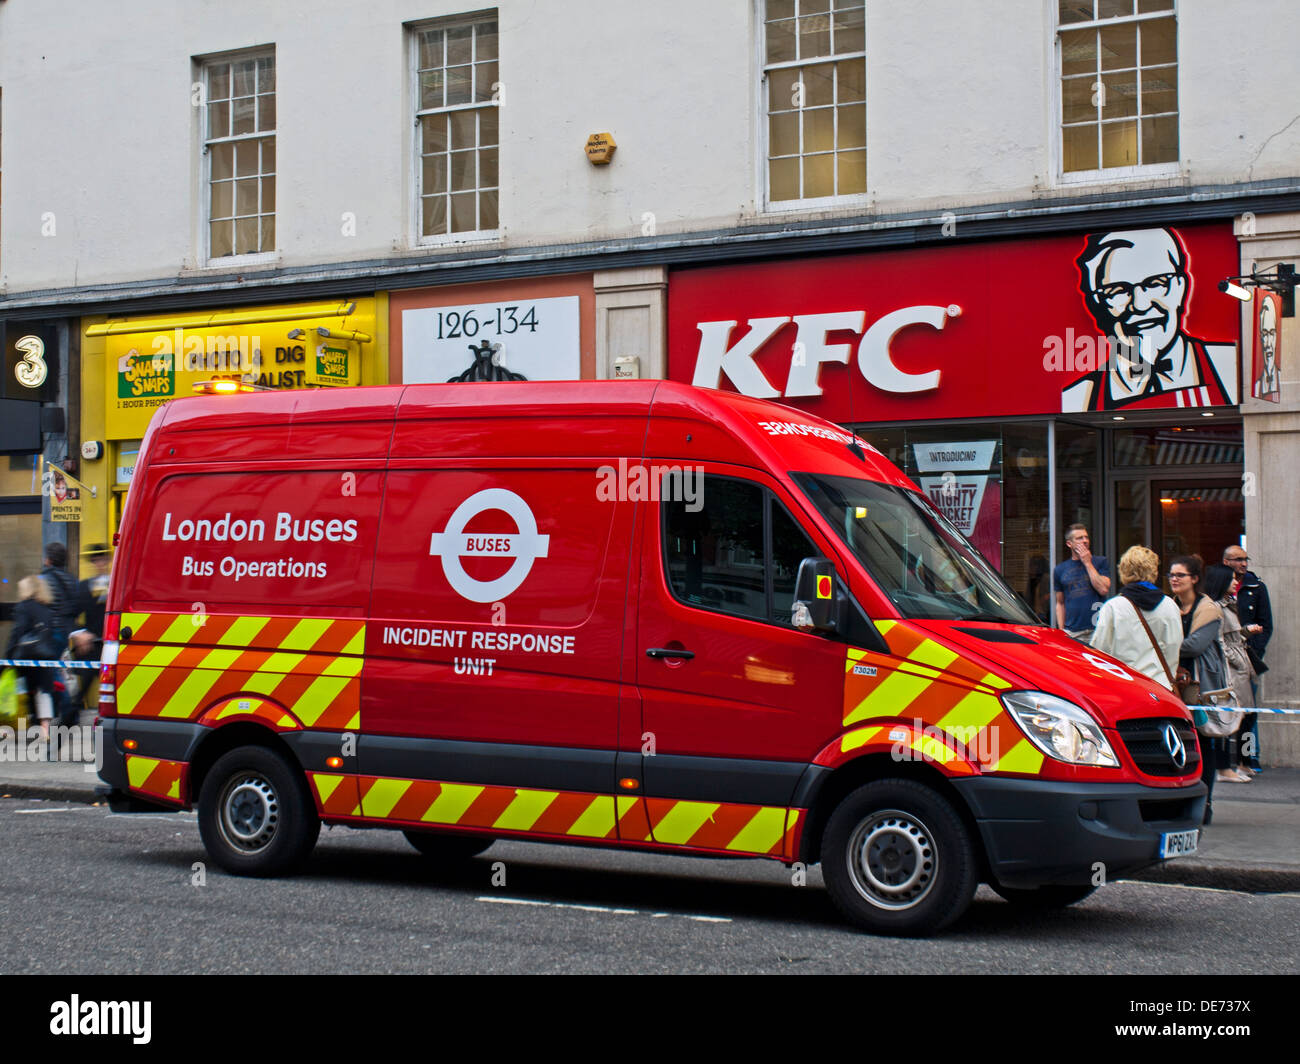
1253 843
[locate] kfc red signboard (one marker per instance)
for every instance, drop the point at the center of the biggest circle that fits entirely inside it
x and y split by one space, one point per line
1108 320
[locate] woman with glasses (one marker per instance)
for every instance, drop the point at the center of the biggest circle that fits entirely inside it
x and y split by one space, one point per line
1218 587
1201 659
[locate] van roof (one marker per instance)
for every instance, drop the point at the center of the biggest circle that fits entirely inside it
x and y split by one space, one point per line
723 426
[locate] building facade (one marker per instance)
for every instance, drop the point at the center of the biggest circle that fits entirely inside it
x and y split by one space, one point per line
954 226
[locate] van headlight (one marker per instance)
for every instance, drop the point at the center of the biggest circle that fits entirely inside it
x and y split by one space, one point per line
1060 729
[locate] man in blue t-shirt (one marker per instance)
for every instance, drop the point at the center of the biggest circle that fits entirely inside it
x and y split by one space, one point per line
1081 583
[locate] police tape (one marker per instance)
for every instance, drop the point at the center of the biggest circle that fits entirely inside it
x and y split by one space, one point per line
21 663
1243 709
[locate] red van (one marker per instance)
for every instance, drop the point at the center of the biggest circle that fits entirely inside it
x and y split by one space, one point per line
632 614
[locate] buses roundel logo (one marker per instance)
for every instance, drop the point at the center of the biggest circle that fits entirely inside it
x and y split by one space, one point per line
823 587
525 546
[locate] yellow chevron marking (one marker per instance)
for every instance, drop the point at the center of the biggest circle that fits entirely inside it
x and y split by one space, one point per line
183 629
133 688
883 627
379 800
263 683
174 791
326 785
972 712
238 706
993 680
138 769
220 658
287 721
318 698
283 663
1023 757
354 721
357 643
160 655
522 813
853 657
683 820
762 832
858 737
597 819
891 697
348 667
452 801
932 747
933 654
191 693
134 621
305 634
242 633
624 804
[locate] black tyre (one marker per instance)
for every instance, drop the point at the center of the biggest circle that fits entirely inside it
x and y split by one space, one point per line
898 860
448 847
1052 896
256 817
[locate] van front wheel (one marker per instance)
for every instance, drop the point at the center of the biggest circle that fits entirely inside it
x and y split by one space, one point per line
898 860
255 815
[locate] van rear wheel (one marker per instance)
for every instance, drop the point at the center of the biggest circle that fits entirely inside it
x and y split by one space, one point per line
448 847
898 860
256 817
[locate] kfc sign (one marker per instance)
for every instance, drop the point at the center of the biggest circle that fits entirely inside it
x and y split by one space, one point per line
1105 320
717 354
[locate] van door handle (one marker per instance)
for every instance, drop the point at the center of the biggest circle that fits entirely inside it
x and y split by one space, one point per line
668 652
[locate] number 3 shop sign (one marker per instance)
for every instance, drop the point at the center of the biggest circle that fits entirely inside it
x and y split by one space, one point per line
527 340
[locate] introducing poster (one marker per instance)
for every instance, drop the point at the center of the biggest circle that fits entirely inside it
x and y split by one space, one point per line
966 488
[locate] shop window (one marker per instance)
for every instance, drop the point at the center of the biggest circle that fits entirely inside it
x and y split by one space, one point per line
239 154
1119 85
457 91
814 80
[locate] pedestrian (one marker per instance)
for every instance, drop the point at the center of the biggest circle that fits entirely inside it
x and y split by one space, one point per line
1082 583
88 640
1200 661
1218 584
1141 626
63 604
32 638
1256 616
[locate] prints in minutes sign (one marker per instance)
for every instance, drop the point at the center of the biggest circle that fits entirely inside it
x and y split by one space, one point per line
1104 320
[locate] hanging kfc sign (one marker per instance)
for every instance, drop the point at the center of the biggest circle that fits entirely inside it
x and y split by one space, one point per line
1266 360
1107 320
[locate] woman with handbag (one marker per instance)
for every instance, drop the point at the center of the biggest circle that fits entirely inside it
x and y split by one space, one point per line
1140 626
32 638
1218 587
1202 673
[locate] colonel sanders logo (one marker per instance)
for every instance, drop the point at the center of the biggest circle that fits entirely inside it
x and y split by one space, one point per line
1136 286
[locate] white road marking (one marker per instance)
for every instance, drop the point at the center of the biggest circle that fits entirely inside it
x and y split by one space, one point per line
65 809
597 909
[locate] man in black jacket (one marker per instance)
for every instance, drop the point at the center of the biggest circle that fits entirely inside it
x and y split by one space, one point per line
64 607
1256 616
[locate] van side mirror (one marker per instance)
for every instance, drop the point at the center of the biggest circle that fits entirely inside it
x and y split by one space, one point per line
818 601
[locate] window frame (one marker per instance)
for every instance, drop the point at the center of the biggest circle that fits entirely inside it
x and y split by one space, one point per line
1101 175
412 31
770 498
762 169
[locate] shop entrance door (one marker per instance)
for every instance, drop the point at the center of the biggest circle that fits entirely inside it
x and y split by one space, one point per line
1197 518
1176 516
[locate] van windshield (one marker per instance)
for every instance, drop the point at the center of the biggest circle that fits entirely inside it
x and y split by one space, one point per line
913 553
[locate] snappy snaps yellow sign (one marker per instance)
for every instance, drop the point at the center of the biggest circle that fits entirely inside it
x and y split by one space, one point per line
151 361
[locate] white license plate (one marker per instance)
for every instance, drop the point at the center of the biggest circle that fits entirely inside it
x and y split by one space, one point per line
1178 843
